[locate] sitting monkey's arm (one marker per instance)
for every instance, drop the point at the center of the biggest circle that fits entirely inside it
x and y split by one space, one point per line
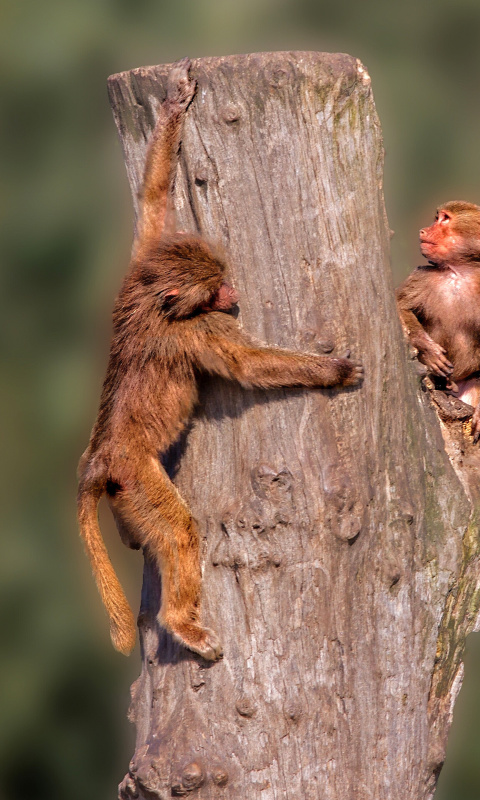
409 296
224 349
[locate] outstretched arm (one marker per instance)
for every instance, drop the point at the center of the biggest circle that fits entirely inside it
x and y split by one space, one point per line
161 159
224 350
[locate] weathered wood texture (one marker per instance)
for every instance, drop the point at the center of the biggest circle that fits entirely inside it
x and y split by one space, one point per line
339 548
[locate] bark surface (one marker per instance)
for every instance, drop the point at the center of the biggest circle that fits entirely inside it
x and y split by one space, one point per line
339 540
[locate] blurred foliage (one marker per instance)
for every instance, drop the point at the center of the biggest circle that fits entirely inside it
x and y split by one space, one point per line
65 241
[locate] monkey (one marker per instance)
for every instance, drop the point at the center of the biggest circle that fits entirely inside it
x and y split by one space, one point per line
439 303
170 325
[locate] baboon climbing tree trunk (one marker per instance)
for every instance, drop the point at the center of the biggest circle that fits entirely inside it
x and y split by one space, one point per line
339 539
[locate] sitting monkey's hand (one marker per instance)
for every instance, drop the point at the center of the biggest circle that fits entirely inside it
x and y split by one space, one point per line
434 357
180 88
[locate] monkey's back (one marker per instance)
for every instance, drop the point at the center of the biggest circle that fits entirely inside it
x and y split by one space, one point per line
150 388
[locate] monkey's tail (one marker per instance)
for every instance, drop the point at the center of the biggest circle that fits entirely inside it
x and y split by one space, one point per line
122 623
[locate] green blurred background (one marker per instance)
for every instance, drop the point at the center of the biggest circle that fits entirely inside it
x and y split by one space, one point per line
65 239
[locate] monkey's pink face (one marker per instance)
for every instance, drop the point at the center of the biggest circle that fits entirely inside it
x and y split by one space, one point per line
439 243
223 300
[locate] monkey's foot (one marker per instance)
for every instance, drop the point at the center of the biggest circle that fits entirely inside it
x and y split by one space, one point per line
200 640
475 425
180 88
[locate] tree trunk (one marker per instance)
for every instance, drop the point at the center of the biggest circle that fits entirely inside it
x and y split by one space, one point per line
339 541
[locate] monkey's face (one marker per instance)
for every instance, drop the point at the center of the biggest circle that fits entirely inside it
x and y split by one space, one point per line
438 242
223 299
453 237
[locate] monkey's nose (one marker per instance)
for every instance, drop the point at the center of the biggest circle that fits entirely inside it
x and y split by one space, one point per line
234 295
422 233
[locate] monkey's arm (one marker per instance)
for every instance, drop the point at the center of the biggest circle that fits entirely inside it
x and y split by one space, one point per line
429 352
161 159
225 350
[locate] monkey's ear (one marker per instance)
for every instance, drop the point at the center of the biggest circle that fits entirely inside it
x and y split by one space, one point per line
170 295
166 299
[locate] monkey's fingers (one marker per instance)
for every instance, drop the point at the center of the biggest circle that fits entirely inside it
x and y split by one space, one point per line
209 648
356 372
441 370
437 363
448 365
200 640
440 355
434 356
180 87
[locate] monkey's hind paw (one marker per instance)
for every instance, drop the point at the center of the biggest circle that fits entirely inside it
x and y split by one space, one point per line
180 87
200 640
475 426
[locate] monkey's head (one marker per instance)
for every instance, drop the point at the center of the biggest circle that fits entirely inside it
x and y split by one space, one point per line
454 237
188 277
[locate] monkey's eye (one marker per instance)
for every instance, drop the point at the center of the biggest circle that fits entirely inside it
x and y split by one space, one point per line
442 217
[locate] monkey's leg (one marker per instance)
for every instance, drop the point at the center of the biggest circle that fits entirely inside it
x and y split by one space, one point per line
157 518
125 522
469 392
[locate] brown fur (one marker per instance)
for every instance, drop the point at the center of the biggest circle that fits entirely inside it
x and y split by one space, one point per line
168 327
439 303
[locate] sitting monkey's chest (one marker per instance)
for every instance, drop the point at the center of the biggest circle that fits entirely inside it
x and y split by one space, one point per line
453 300
452 312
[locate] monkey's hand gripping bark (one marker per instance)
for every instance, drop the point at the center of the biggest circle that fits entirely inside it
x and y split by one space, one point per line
435 359
180 87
